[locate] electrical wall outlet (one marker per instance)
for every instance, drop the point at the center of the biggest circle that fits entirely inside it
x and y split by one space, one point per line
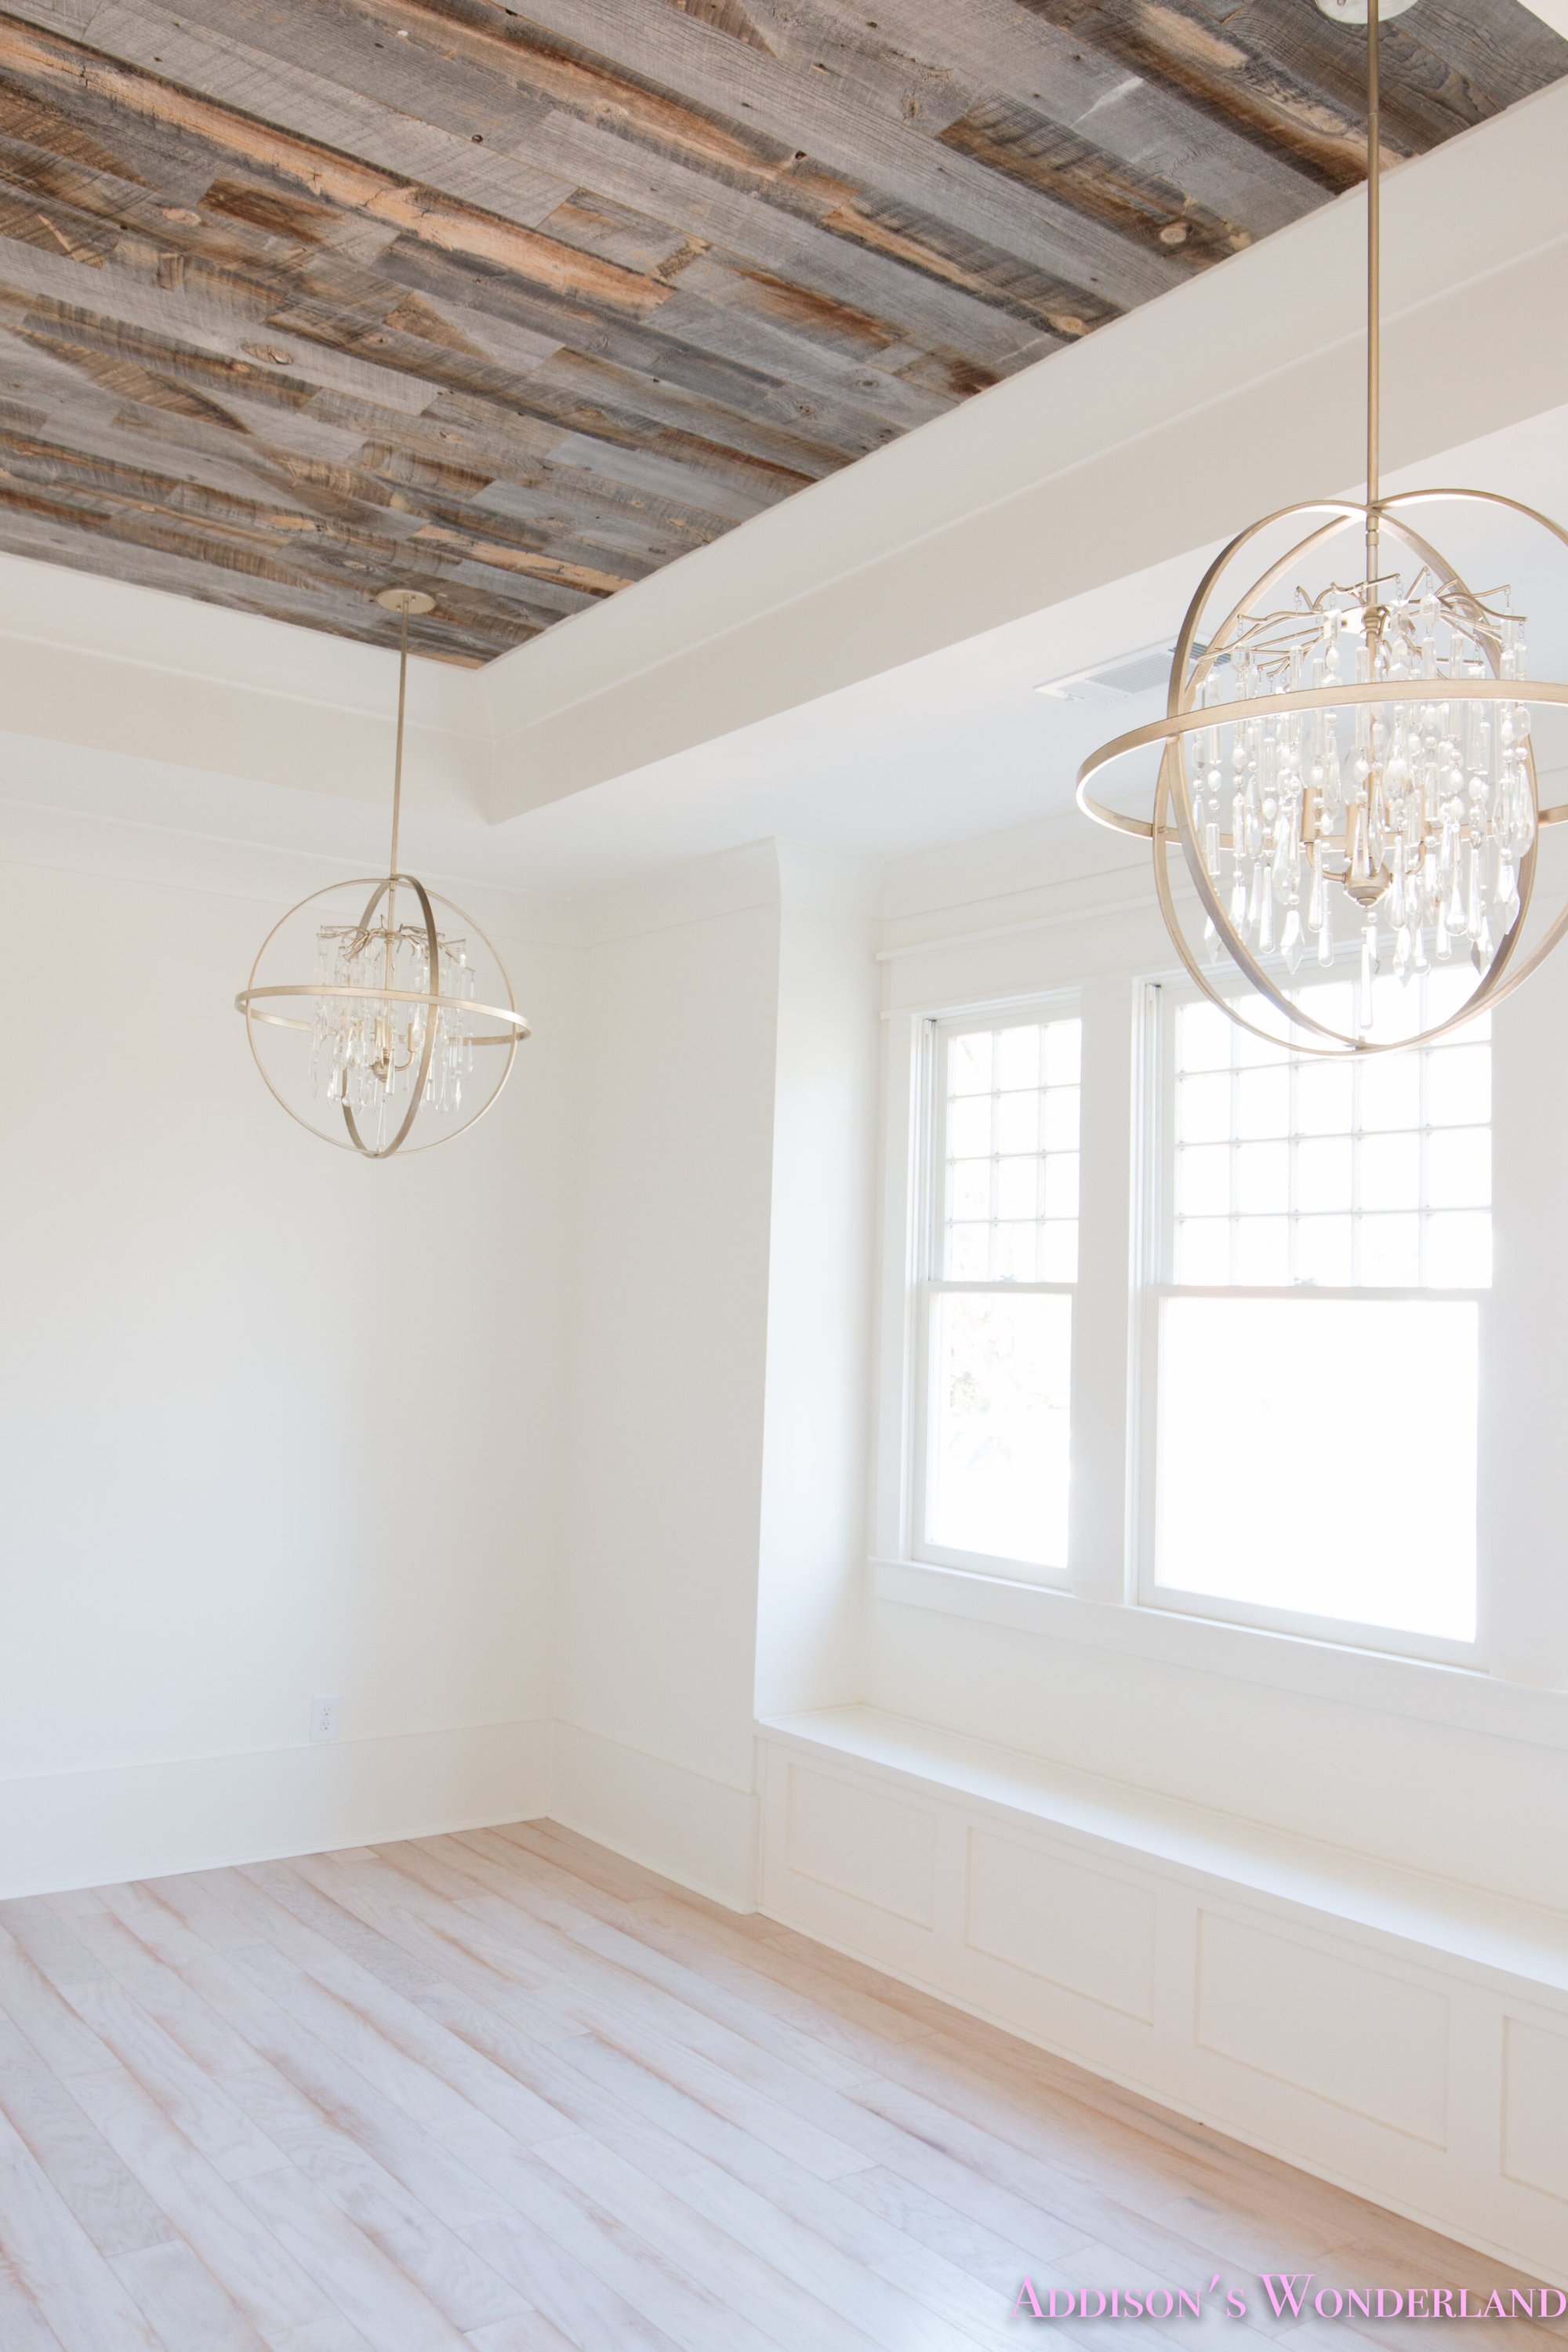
324 1717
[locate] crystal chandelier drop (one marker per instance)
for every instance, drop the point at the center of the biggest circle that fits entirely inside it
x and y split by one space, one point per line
1347 765
406 1020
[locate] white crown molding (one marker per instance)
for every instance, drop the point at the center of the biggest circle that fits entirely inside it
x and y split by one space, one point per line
109 666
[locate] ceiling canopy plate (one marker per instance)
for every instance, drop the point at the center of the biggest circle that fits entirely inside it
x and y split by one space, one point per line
1355 12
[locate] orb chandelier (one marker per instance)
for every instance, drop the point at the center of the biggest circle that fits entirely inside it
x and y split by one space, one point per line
407 1020
1347 762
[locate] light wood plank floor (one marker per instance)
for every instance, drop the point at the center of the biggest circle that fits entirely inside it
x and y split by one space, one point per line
505 2093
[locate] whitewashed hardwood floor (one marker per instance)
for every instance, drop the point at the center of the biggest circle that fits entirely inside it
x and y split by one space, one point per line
505 2093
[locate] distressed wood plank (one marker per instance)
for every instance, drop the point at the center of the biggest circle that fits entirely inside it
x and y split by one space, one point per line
302 297
115 2212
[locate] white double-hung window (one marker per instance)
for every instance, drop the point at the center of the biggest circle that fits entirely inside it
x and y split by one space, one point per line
1319 1246
999 1262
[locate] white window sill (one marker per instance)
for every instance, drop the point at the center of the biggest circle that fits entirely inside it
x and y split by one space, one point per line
1460 1697
1440 1916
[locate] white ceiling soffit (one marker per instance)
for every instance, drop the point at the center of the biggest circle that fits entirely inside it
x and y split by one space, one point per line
1238 393
1551 12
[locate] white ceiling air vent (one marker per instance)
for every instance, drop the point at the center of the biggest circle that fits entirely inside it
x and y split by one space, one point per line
1116 682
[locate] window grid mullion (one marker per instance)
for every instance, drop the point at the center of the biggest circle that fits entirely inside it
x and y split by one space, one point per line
1294 1236
1368 1240
1234 1211
994 1237
1422 1183
933 1177
955 1250
1355 1132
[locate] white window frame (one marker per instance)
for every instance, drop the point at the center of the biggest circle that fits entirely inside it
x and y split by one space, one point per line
927 1145
1153 1229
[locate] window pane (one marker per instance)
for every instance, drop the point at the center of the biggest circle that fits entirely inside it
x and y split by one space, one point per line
1323 1175
1001 1380
1325 1252
1061 1184
969 1189
1010 1123
1017 1188
1060 1122
1203 1180
1018 1057
1325 1099
969 1065
1263 1102
1061 1051
1058 1250
1206 1037
969 1125
1254 1395
1204 1109
1459 1168
1202 1249
1459 1085
1263 1179
1390 1172
1016 1253
969 1252
1391 1091
1262 1134
1388 1252
1018 1122
1263 1250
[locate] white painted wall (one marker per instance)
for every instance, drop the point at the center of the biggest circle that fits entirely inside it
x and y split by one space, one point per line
810 1614
674 1097
716 1481
515 1436
268 1426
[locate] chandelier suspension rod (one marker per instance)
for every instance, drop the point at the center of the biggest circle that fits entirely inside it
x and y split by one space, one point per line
397 760
1373 314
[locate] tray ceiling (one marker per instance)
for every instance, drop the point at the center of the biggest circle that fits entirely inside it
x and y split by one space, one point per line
516 304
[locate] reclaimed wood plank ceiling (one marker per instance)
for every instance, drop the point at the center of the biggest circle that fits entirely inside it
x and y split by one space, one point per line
517 303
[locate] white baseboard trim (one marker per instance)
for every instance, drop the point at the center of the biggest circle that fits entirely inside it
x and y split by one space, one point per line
699 1831
62 1830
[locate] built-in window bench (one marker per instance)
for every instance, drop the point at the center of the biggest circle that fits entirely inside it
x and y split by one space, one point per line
1402 2034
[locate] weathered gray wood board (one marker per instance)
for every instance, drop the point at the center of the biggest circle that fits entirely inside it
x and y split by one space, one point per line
517 303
